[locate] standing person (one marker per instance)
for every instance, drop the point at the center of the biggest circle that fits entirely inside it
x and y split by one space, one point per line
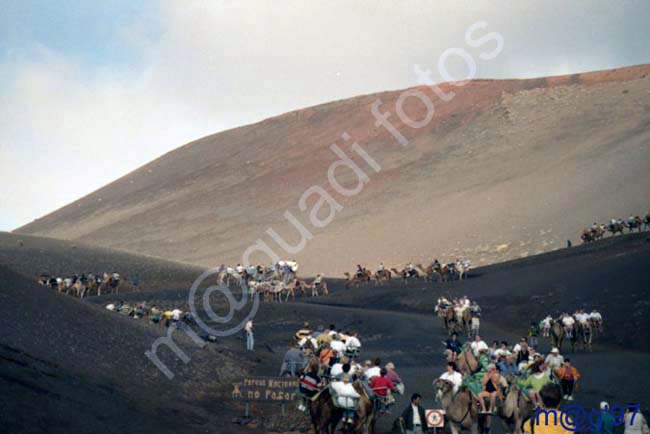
606 420
533 333
475 324
413 416
635 423
250 340
292 362
568 376
135 281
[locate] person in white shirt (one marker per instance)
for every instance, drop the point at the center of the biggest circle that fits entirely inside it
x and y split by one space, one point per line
413 417
554 360
546 325
374 371
452 375
337 345
478 345
346 398
250 341
568 321
353 342
176 314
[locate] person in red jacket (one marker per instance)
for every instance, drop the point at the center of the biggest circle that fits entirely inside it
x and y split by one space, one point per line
380 386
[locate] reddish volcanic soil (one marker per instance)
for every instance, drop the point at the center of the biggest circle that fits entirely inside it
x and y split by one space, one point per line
505 169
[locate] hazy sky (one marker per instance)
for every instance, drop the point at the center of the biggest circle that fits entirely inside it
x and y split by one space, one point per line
90 90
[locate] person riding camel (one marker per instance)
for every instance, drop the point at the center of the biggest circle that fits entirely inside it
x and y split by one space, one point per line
491 389
360 271
535 382
546 326
310 383
568 322
347 398
382 386
380 267
452 375
454 346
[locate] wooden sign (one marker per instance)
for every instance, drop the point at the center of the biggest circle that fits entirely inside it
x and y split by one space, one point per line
271 389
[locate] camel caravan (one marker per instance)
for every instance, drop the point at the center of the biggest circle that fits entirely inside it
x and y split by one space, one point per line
597 231
274 283
434 272
85 285
460 316
336 388
503 381
578 328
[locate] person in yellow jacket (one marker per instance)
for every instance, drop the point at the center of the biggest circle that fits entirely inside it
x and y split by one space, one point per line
549 419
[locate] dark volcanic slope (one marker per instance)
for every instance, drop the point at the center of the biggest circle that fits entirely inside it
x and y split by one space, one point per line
611 276
505 169
31 256
72 367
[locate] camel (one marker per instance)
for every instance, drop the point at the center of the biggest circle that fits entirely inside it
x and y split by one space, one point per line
615 228
443 272
585 331
467 321
460 411
314 289
427 272
382 276
406 274
516 408
467 362
356 280
325 416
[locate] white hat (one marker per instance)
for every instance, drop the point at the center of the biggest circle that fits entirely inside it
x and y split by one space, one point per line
604 405
482 346
555 350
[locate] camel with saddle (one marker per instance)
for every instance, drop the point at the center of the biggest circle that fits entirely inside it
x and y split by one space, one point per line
382 276
406 274
513 411
358 279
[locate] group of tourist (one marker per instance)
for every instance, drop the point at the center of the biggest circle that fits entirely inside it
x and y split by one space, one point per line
570 322
155 314
83 284
500 361
328 356
597 230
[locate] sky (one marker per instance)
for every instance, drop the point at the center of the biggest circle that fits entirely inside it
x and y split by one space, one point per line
91 90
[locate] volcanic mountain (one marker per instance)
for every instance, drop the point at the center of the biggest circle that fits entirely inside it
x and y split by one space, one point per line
498 169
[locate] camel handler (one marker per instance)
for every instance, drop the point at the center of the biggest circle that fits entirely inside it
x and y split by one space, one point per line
413 417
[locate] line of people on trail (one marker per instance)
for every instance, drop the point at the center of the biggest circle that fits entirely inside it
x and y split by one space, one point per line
274 282
459 315
327 359
489 371
83 284
615 226
577 327
155 314
441 272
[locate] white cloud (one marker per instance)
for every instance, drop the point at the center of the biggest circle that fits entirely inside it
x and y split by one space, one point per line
67 127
